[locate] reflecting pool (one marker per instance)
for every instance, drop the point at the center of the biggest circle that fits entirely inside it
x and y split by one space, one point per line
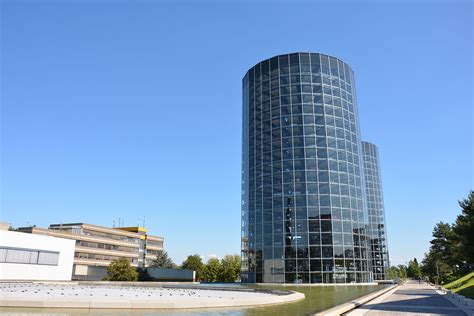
317 298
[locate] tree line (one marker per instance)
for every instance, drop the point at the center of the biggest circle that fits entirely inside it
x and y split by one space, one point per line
451 252
214 270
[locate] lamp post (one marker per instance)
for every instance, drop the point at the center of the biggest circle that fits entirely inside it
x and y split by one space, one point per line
437 272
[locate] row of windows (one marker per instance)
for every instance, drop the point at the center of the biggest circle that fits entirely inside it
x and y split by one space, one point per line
273 133
297 131
296 142
155 243
110 236
309 164
299 220
292 155
304 125
338 100
296 119
105 246
303 199
305 265
295 94
153 252
303 239
293 184
313 225
257 87
303 62
262 76
302 278
28 256
301 231
311 94
269 111
92 256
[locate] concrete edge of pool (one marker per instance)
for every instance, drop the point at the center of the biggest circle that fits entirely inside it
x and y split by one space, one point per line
348 306
252 298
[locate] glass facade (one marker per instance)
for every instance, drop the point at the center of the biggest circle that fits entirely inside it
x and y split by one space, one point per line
304 214
377 228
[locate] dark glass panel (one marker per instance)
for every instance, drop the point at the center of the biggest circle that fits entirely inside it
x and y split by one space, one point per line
294 59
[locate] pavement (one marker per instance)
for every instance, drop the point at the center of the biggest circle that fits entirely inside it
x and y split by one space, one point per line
411 298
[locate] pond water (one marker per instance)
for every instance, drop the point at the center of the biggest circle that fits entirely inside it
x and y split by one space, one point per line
317 299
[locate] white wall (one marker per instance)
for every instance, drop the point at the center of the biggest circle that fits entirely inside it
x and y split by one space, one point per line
20 271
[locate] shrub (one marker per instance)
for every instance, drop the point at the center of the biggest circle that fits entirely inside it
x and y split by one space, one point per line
121 270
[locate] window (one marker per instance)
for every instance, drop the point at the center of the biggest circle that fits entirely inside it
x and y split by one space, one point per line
18 256
28 256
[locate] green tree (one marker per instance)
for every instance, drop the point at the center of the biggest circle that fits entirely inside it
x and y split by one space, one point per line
413 270
443 244
143 274
463 229
212 270
230 268
402 271
393 273
163 261
194 262
121 270
432 266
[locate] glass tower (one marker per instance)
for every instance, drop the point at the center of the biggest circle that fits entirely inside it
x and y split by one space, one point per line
376 229
304 214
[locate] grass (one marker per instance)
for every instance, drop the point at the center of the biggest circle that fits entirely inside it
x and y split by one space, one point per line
463 286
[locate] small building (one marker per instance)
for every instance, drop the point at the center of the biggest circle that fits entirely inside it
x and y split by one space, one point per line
97 246
34 257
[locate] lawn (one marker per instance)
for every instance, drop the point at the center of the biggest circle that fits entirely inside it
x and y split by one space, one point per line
463 286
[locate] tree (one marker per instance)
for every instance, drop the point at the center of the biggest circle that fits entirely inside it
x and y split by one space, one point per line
413 270
121 270
463 229
432 266
443 244
212 270
393 273
143 274
163 261
402 271
230 268
194 262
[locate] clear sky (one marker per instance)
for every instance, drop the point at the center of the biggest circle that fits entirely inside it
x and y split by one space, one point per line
132 109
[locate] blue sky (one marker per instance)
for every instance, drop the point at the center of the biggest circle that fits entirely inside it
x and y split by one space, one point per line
132 109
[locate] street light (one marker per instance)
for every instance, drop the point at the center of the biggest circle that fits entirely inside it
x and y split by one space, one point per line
437 272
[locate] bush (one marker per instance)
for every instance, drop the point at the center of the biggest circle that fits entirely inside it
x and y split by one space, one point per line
121 270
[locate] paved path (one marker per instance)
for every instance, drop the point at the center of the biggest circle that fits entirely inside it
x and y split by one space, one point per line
410 299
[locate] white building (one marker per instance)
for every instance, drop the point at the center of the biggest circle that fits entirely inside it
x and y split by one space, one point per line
35 257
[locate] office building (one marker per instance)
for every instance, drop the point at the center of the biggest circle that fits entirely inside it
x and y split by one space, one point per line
96 246
375 208
304 216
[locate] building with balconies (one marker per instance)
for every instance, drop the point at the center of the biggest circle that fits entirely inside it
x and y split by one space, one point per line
97 246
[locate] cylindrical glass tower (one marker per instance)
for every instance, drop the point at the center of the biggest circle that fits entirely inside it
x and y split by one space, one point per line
377 228
303 195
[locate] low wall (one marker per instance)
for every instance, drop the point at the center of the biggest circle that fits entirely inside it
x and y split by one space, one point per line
93 273
161 274
88 273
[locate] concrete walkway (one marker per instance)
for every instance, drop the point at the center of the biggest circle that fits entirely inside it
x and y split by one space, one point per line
409 299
